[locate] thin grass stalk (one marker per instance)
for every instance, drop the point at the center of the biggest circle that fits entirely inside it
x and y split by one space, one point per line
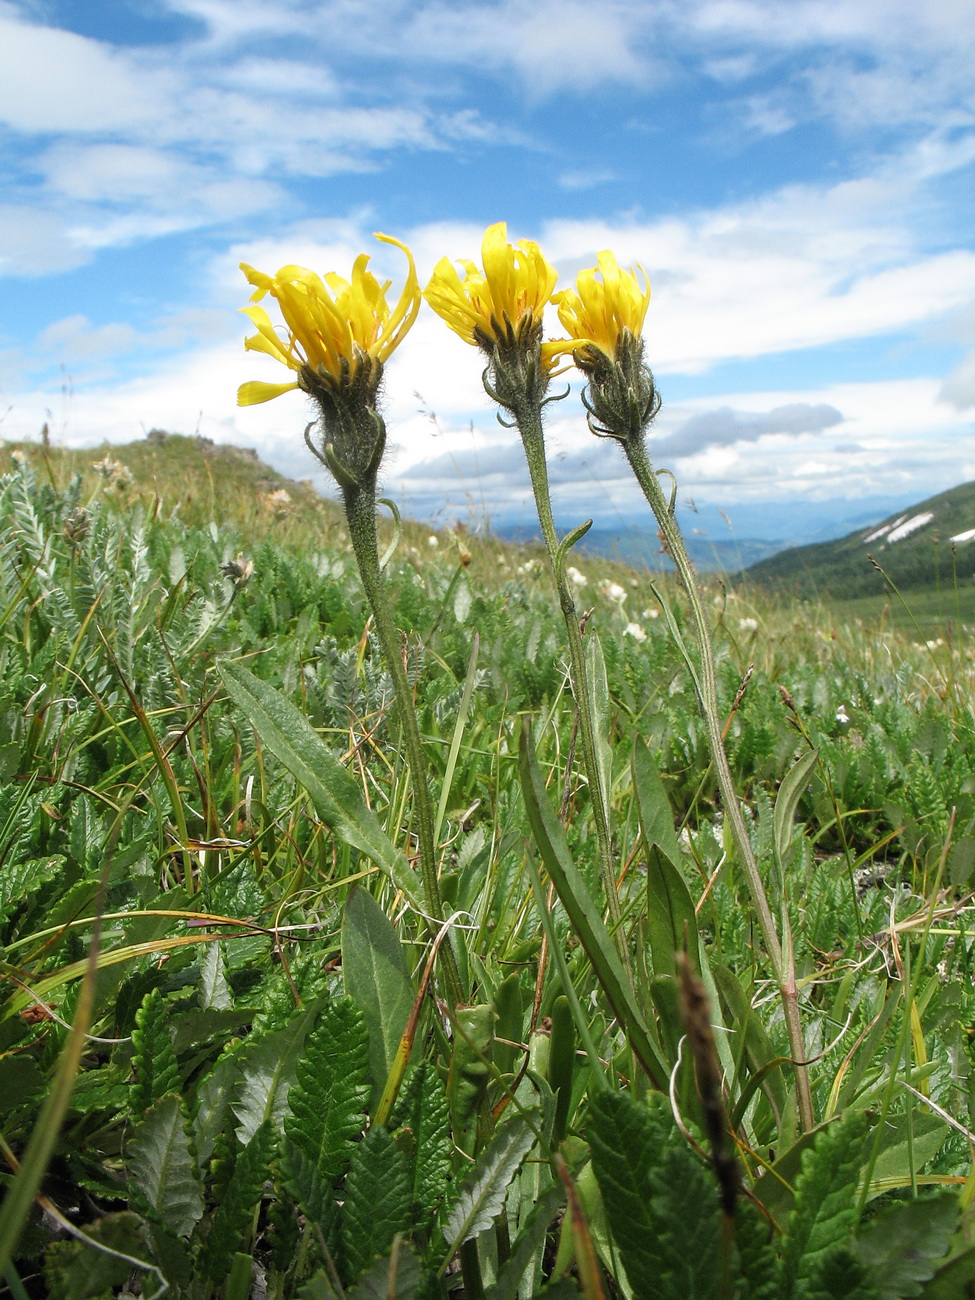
780 951
360 506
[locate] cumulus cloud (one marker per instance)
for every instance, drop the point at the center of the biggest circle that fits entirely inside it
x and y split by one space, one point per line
725 426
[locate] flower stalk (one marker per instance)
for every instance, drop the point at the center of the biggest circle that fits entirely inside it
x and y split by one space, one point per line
604 314
499 310
340 334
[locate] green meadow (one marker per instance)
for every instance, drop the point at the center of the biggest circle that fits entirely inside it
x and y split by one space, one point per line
231 1064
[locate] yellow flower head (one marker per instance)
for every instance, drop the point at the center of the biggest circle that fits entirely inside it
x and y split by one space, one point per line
504 297
334 326
597 311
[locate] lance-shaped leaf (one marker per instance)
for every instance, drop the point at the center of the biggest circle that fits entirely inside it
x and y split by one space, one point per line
335 794
585 916
377 979
160 1161
480 1198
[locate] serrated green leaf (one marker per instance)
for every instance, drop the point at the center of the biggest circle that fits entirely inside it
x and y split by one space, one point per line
824 1210
395 1277
625 1141
904 1243
839 1275
335 794
78 1271
480 1197
660 1199
266 1072
422 1109
377 979
160 1162
377 1200
759 1268
154 1058
327 1102
236 1208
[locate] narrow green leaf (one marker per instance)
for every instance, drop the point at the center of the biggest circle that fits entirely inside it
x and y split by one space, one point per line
160 1161
787 800
761 1058
671 921
601 721
653 807
377 979
470 1073
480 1196
377 1200
335 794
583 913
530 1240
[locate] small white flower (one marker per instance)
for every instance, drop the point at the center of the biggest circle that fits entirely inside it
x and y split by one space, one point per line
841 714
748 624
635 631
433 541
612 591
575 577
651 613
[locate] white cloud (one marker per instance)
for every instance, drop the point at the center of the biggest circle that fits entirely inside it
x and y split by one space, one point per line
54 80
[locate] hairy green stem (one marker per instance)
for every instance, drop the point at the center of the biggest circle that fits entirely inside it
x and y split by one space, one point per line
529 418
780 952
360 509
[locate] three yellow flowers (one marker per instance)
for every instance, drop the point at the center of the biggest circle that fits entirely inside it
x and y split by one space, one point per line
336 325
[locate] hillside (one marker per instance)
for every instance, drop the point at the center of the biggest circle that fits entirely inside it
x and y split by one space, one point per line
930 544
639 548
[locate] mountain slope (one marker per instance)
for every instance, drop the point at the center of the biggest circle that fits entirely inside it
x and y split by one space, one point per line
929 543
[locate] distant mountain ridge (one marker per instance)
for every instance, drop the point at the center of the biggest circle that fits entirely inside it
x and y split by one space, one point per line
933 541
640 548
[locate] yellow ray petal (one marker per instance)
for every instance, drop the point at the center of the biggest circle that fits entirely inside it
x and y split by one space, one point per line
254 392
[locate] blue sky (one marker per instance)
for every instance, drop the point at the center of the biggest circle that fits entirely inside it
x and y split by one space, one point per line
797 179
